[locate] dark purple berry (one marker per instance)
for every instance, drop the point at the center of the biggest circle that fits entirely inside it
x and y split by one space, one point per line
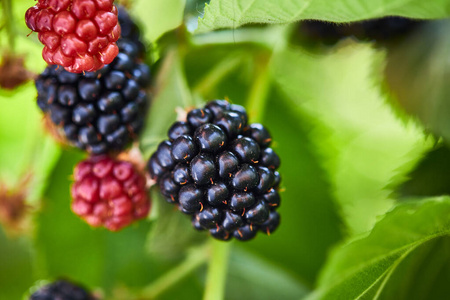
168 187
241 200
232 221
210 217
266 180
231 123
270 159
210 138
203 169
154 168
246 178
184 149
257 214
259 133
271 224
198 117
218 107
181 174
246 149
227 163
178 129
217 194
220 234
272 198
245 233
164 155
190 198
107 124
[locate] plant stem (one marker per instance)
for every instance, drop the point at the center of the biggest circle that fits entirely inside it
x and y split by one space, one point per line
195 259
9 23
257 98
217 270
211 79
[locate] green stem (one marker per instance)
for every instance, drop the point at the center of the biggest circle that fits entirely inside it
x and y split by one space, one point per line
257 98
211 79
195 259
217 270
9 23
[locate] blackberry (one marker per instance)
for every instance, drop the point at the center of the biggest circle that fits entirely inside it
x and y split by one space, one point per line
109 193
130 31
99 111
61 290
221 171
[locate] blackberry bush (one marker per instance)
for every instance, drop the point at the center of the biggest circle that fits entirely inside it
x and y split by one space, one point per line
221 171
61 290
109 193
77 34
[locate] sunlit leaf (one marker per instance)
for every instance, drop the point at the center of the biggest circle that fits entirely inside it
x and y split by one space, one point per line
234 13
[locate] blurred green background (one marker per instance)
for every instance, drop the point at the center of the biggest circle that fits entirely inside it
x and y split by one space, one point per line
361 128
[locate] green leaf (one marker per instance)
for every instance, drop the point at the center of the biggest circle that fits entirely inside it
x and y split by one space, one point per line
158 16
234 13
363 143
251 276
418 72
374 267
171 92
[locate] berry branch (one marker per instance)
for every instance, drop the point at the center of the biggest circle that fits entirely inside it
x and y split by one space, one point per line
217 271
195 259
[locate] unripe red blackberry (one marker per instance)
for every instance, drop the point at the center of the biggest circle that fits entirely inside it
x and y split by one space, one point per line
79 35
61 290
221 171
109 193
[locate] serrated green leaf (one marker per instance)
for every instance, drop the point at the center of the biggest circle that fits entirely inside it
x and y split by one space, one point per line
362 141
234 13
363 268
158 16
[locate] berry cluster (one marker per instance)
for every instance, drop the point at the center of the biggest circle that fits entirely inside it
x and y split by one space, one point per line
99 111
79 35
221 171
380 30
109 193
61 290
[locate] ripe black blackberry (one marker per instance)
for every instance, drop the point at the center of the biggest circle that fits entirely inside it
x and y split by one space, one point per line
221 171
61 290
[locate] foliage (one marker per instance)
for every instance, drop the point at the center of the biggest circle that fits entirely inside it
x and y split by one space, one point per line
352 125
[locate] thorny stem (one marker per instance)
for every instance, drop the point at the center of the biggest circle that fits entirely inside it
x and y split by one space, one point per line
9 23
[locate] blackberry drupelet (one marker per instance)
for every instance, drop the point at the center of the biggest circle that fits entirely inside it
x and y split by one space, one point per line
109 193
61 290
130 32
221 171
99 111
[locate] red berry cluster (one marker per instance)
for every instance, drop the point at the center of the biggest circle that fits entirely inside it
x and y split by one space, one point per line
79 35
109 193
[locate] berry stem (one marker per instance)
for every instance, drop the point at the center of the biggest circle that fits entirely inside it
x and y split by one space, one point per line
217 270
257 98
8 19
195 259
